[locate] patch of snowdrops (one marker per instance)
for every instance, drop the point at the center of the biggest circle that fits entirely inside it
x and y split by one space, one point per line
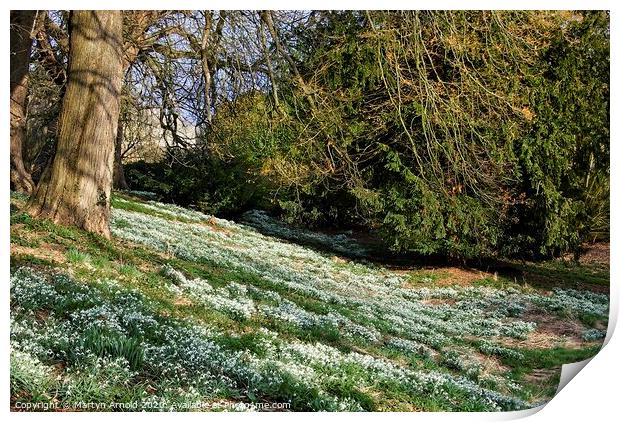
407 342
189 356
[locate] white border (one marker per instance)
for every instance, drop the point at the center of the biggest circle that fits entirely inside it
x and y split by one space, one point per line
591 396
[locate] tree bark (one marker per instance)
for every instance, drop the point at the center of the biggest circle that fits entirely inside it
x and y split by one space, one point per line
272 76
22 22
267 17
80 177
204 57
209 44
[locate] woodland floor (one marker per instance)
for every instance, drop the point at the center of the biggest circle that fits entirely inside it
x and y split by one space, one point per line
185 311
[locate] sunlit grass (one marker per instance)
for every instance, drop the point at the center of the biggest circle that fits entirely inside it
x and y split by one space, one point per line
218 311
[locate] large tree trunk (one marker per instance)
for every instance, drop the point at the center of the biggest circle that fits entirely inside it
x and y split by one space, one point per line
80 178
22 22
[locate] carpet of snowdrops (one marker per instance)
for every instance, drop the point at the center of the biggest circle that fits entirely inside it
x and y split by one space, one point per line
295 325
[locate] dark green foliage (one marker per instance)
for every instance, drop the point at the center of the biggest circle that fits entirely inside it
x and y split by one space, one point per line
565 156
104 343
463 134
212 186
468 137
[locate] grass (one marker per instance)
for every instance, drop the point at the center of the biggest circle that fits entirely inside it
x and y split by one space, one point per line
75 256
128 270
543 366
426 277
565 273
94 261
547 358
129 203
28 260
499 282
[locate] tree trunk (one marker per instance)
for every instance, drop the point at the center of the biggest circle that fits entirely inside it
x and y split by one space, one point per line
204 57
137 38
267 17
209 44
119 173
80 178
272 76
21 45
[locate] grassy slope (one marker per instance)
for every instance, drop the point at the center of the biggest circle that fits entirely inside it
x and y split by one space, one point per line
51 371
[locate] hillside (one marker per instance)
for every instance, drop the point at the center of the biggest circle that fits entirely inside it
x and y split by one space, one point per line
185 311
